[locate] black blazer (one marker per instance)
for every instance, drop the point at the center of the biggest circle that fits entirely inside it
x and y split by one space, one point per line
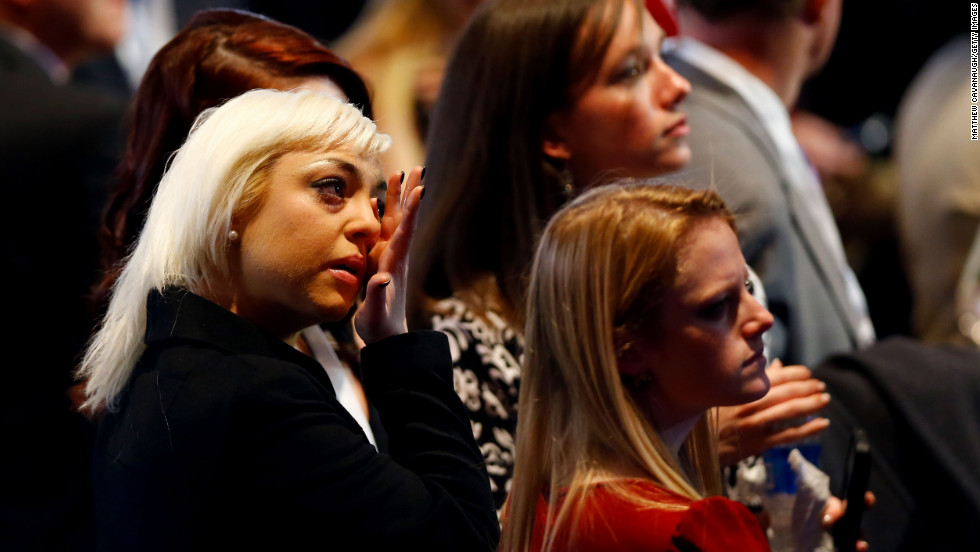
227 438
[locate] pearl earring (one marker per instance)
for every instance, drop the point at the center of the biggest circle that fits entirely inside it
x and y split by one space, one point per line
233 235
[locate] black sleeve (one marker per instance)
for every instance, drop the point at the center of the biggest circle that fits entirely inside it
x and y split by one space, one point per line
412 374
431 493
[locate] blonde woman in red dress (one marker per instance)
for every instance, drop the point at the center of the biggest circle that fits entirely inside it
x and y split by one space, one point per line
639 321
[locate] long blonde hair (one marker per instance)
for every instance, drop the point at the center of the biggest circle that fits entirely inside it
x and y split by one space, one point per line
219 173
601 269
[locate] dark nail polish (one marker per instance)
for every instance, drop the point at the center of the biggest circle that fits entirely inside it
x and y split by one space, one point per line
386 283
422 195
402 180
421 176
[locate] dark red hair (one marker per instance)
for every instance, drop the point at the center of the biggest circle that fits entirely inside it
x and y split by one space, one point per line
217 56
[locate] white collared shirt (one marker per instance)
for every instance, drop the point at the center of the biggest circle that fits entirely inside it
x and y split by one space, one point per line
775 120
340 377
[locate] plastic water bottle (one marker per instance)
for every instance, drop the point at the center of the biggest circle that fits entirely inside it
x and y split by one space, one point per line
781 490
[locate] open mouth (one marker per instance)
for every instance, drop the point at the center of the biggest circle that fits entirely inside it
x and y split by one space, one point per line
350 269
347 268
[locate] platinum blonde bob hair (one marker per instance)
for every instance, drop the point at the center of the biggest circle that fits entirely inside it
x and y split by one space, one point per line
218 175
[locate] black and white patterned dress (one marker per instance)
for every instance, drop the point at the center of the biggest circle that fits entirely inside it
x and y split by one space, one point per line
486 353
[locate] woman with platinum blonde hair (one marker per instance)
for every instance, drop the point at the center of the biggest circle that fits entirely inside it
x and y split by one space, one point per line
639 321
217 433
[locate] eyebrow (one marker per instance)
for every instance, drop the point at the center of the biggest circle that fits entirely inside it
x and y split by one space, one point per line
345 166
638 50
722 290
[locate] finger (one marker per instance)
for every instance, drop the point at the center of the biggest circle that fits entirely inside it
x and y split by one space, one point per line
412 206
788 373
775 364
869 499
832 512
374 309
737 443
396 255
414 180
788 410
392 203
784 392
793 434
862 546
793 390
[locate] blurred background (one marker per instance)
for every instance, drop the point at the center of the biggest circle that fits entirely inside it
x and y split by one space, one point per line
846 118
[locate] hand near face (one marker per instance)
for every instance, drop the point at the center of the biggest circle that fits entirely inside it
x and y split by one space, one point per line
750 429
382 314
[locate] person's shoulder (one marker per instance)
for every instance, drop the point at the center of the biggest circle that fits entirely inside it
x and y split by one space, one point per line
664 521
36 113
732 156
449 310
718 524
476 334
71 98
612 521
200 374
453 313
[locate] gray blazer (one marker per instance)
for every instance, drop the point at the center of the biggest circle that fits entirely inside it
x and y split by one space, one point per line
732 152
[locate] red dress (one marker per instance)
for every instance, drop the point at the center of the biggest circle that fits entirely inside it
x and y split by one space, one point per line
609 523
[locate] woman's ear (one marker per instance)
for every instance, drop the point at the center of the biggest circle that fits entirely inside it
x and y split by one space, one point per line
553 144
628 358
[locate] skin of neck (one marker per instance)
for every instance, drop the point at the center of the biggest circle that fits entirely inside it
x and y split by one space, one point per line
228 299
671 423
777 51
285 330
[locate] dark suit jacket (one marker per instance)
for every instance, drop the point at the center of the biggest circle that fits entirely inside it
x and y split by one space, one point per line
227 438
58 148
732 153
920 407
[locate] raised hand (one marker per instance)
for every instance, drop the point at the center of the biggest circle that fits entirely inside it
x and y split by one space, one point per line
750 429
382 314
